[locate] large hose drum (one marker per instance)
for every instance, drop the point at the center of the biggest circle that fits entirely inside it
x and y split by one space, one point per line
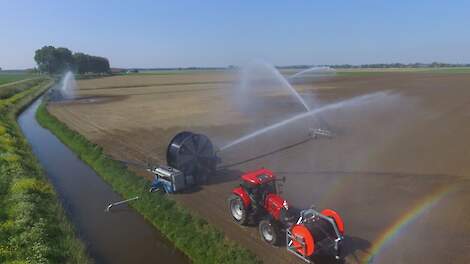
193 154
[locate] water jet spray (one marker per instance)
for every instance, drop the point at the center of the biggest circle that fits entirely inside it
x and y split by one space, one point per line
313 132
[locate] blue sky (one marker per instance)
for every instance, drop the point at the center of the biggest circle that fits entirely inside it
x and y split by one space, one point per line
219 33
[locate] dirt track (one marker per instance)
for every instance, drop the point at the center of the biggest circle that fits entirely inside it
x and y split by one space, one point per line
405 155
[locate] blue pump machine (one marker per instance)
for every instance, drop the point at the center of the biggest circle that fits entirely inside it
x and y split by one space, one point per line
170 180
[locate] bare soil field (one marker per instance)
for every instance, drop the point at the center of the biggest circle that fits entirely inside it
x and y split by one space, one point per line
397 167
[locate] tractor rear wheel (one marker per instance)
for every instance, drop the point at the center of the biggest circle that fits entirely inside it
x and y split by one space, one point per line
269 232
238 210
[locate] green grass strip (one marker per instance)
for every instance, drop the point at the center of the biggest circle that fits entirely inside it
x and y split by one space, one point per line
201 242
10 89
33 225
13 77
364 72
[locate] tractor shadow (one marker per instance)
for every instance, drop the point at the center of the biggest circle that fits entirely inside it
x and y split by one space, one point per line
351 245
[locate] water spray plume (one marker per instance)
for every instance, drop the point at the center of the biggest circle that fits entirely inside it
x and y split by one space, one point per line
67 89
274 75
314 71
359 100
288 85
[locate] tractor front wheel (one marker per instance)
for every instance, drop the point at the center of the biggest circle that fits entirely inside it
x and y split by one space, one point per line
238 210
269 232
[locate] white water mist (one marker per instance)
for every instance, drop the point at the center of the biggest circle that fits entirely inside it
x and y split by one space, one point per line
355 101
259 75
314 72
68 87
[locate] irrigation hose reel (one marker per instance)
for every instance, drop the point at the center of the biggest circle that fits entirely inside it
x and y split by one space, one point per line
192 154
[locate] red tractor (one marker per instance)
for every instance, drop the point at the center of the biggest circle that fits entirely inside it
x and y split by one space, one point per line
257 200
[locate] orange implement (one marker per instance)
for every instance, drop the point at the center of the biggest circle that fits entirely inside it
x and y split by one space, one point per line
302 234
333 214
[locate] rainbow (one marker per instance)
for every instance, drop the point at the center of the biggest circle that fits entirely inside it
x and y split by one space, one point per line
393 230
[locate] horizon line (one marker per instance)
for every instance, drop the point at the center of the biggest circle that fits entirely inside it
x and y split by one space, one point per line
340 65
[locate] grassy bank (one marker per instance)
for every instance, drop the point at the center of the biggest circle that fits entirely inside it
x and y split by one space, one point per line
33 226
10 89
201 242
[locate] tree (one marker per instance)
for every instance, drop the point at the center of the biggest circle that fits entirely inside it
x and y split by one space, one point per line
52 60
56 60
85 63
64 58
45 59
81 62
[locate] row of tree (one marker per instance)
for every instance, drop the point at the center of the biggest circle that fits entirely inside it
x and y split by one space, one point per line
402 65
57 60
380 65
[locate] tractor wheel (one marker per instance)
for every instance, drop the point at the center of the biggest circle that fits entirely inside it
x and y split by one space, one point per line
238 210
269 232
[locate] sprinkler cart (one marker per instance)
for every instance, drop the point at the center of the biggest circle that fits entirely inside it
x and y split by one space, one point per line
191 160
312 233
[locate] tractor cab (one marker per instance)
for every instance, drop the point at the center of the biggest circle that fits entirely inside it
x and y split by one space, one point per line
257 195
259 181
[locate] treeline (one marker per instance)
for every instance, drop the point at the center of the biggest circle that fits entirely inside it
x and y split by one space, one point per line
182 68
402 65
57 60
381 65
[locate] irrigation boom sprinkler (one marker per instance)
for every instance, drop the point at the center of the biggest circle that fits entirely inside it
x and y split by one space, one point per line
120 202
320 132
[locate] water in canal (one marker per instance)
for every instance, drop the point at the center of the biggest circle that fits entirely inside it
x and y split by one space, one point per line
120 236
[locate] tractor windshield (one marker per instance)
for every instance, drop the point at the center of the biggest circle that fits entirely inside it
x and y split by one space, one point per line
269 187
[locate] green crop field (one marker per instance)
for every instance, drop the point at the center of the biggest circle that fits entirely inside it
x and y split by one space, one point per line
378 71
13 77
